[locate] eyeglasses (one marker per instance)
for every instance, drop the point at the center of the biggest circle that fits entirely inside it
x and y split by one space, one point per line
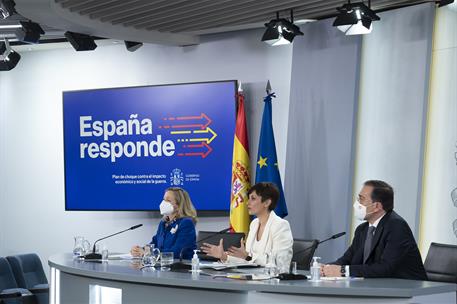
362 200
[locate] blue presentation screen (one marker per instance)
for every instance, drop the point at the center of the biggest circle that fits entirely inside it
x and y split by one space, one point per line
124 146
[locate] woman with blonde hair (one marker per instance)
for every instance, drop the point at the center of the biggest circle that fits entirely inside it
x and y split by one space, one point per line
176 231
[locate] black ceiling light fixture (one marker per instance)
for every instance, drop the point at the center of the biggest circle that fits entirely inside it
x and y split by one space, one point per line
444 2
355 18
30 32
81 42
281 31
8 57
7 8
132 46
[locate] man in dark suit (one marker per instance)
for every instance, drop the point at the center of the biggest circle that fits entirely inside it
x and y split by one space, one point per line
384 245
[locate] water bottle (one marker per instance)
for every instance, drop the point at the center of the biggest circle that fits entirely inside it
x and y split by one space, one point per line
195 263
315 270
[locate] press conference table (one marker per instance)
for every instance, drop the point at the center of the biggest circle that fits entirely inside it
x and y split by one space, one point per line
120 281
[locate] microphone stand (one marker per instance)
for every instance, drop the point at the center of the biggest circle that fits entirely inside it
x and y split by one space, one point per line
335 236
98 256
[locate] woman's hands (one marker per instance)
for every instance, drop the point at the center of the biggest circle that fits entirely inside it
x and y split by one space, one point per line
136 251
216 251
239 252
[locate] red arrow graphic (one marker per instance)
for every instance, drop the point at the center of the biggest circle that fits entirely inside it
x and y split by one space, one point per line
202 125
203 154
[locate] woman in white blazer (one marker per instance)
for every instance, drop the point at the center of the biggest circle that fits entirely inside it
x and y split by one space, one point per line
268 233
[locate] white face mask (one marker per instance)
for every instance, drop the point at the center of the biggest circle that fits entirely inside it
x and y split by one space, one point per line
360 211
166 208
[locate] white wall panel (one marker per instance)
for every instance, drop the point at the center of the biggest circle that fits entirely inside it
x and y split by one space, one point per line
392 105
439 212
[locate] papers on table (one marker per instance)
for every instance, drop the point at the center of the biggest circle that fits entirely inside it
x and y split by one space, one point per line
340 278
249 277
221 266
122 256
234 274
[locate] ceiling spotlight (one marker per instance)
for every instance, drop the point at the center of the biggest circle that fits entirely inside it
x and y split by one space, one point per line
281 31
8 57
29 32
133 46
81 42
355 18
6 8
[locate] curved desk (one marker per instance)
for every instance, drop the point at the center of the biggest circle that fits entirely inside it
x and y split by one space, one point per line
75 281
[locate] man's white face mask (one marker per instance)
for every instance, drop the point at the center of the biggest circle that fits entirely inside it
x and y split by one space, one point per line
360 211
166 208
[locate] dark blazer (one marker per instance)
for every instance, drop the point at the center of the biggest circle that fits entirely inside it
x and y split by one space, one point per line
394 251
178 237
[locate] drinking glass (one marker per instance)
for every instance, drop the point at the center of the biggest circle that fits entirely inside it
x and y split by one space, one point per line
104 252
282 262
166 260
270 265
293 267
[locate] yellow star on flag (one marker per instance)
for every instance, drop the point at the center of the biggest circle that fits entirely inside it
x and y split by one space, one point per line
262 162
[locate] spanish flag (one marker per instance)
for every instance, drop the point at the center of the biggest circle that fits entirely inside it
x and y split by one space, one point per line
241 181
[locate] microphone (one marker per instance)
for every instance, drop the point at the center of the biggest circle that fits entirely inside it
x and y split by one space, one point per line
204 239
335 236
98 256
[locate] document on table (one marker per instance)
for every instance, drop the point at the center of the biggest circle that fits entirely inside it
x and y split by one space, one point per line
339 278
220 266
122 256
234 274
249 277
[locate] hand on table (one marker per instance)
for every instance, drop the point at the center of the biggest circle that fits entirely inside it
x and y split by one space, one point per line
331 270
136 251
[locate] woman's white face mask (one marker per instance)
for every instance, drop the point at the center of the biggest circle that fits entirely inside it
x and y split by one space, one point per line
166 208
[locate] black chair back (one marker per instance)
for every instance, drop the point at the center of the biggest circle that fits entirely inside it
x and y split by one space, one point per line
29 274
28 270
7 280
441 263
303 251
9 290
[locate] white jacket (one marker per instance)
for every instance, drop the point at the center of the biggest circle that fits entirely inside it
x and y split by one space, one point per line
276 238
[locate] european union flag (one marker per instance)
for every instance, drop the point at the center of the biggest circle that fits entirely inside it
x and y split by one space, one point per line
267 162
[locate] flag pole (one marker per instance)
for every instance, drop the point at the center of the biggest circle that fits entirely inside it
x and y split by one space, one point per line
241 180
268 88
267 169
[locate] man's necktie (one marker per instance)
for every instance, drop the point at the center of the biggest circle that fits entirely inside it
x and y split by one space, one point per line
368 242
